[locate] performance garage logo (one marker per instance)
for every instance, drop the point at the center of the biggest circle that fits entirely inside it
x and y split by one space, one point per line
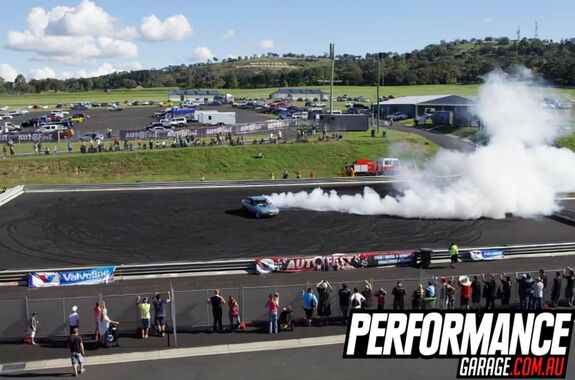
488 345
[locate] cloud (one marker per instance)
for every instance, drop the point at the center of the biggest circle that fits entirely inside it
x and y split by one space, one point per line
229 34
104 69
487 19
202 53
266 44
7 72
174 28
42 73
84 20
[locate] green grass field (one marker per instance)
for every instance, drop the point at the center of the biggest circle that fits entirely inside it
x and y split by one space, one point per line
221 162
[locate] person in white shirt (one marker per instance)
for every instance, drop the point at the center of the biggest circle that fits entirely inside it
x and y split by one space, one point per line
356 299
74 319
539 300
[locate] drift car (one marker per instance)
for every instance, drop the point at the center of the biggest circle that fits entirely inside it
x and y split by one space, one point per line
258 205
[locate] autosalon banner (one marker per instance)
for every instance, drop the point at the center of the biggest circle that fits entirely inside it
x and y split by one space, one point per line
336 261
486 255
92 276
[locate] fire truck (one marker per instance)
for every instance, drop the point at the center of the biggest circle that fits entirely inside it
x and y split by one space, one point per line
380 166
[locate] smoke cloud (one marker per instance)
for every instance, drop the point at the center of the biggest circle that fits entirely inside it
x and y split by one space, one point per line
519 171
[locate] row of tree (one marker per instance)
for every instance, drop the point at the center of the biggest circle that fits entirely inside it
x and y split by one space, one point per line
460 61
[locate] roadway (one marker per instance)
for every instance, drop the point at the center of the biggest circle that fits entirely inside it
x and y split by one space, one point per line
47 230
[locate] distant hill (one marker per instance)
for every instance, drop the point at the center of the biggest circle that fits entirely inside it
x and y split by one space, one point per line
456 62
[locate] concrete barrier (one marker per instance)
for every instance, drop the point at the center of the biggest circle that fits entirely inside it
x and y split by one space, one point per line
10 194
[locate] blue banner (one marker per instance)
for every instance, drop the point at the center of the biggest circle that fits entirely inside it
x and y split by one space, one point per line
486 254
92 276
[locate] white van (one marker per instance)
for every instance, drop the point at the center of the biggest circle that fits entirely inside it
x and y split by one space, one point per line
49 128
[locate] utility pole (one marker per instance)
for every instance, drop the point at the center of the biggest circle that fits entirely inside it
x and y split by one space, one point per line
536 36
332 57
377 95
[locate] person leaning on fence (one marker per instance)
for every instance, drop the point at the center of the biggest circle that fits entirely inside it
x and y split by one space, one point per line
144 313
489 291
475 293
324 306
96 316
32 327
160 312
380 295
449 294
569 276
465 292
76 346
74 319
344 295
233 313
417 298
356 300
217 301
538 296
398 293
367 293
272 306
504 291
556 289
309 305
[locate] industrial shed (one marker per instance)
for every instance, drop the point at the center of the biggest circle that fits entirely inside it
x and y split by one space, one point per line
460 108
193 95
297 93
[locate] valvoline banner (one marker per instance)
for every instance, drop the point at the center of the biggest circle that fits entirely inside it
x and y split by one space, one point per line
486 254
91 276
336 261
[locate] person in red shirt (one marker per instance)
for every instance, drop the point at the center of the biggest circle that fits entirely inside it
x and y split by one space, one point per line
381 293
465 286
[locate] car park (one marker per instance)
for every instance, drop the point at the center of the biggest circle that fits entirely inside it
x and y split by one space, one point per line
259 206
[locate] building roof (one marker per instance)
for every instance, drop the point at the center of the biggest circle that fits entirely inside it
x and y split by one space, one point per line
291 91
437 100
195 92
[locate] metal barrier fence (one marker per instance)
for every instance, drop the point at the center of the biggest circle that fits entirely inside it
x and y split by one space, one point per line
194 312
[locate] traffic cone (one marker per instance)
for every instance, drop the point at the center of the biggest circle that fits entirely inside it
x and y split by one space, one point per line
273 176
311 174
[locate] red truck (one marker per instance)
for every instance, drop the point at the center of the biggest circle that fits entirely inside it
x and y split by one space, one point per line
380 166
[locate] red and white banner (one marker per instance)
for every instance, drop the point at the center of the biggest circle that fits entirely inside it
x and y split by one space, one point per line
336 261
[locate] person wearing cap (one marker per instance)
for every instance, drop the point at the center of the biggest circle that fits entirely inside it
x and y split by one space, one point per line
74 319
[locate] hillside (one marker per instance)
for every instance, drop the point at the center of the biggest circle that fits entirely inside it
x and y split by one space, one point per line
456 62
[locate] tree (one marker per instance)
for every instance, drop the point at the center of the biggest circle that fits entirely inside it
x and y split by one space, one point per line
231 80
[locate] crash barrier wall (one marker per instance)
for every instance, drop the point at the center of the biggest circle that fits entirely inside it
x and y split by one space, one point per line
10 194
29 137
210 131
123 271
193 312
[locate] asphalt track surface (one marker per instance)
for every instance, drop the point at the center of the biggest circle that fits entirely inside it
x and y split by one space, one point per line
48 230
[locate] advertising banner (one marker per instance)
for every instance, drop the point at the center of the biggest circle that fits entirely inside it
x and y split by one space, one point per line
486 255
92 276
336 261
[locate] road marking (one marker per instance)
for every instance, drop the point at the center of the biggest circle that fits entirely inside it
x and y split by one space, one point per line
173 353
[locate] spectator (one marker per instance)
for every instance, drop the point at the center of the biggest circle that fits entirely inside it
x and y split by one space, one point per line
430 290
96 315
530 290
450 294
32 327
217 301
104 322
505 289
344 295
570 287
144 312
453 254
381 293
522 290
556 289
309 304
416 298
543 277
77 351
538 295
74 319
367 293
398 293
489 292
234 313
286 174
324 290
465 286
475 293
273 306
160 312
356 300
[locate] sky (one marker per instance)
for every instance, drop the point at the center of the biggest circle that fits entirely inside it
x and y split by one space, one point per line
83 38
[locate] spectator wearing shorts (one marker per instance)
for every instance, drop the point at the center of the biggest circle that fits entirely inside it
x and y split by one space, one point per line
76 346
465 286
160 312
309 304
144 312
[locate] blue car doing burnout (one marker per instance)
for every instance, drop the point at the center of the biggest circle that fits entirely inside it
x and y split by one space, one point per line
258 205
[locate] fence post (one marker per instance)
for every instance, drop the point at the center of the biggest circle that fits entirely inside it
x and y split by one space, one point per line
174 315
64 315
27 311
207 307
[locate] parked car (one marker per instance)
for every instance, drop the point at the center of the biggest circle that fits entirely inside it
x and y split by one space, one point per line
174 122
91 136
8 127
115 108
397 116
258 206
3 107
49 128
158 129
80 117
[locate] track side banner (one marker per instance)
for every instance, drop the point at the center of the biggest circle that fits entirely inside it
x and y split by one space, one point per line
92 276
336 261
486 254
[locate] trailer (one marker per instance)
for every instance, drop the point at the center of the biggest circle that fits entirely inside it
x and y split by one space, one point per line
217 118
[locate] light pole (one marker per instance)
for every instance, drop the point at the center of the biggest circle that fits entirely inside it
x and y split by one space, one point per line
379 56
332 57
